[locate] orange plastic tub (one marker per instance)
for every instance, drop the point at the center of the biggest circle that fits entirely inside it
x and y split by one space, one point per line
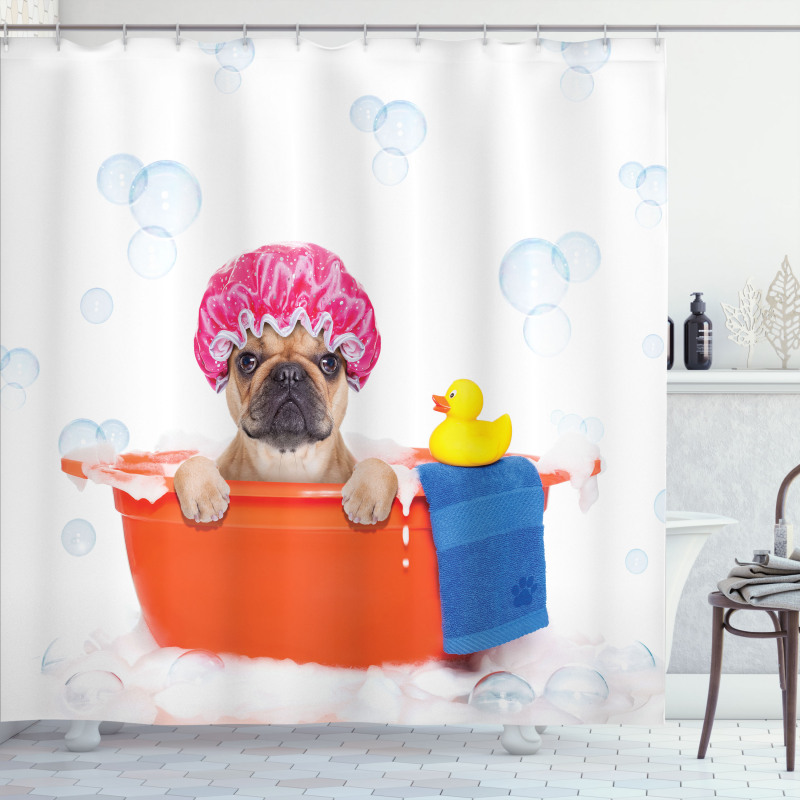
284 574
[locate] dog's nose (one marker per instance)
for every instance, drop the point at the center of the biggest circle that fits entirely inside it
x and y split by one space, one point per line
288 374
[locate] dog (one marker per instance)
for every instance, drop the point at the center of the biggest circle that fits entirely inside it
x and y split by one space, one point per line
287 393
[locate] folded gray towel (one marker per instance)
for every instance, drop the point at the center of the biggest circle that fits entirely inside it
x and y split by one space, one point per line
775 583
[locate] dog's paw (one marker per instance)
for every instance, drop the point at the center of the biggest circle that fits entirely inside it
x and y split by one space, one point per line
203 494
367 497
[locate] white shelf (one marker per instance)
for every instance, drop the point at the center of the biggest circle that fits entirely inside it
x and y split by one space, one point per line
734 381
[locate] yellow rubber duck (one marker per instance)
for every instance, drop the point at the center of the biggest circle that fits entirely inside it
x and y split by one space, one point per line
462 439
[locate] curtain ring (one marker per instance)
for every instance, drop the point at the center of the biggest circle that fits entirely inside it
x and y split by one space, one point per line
365 34
485 40
58 36
244 35
605 37
658 38
538 39
297 35
124 36
177 36
417 42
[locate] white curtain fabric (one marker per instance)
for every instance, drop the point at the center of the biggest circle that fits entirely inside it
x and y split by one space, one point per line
494 167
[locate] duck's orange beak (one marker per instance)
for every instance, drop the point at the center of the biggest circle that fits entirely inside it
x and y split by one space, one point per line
440 403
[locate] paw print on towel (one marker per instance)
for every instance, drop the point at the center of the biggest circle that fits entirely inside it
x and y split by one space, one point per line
523 591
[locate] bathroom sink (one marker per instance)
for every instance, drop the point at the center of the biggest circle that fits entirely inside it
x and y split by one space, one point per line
687 532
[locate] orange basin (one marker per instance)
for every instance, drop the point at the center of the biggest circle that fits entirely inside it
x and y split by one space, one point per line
284 574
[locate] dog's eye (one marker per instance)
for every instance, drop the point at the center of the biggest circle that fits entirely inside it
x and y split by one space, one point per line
247 363
329 364
452 394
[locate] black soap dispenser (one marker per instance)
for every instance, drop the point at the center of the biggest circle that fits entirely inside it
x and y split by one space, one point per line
671 347
697 336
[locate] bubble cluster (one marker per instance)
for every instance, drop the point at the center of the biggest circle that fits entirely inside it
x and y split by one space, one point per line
164 198
583 59
632 658
233 57
86 692
575 689
12 396
501 692
96 306
650 184
195 666
534 277
399 128
591 427
20 367
78 434
636 561
78 537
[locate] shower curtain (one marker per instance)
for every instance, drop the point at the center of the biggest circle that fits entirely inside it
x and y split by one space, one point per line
189 235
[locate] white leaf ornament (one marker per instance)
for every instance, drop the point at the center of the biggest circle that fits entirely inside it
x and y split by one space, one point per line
783 326
747 323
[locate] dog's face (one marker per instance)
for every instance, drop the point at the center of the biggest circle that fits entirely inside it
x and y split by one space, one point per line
286 391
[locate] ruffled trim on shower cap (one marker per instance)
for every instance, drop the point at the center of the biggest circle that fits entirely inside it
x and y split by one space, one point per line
280 285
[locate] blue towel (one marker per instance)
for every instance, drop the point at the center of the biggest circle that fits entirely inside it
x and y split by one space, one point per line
489 537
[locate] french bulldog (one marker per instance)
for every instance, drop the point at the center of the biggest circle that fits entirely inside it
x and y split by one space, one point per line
288 397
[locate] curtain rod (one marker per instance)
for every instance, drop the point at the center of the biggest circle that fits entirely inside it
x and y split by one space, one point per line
416 29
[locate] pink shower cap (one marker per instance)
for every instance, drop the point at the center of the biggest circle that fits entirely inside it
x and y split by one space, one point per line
281 285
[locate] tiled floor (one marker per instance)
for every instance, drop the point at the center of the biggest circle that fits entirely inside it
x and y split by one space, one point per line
746 760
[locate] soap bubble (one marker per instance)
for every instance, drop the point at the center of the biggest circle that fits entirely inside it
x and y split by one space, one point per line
582 254
577 84
632 658
114 431
648 214
501 692
568 424
533 273
390 166
653 345
166 197
555 417
631 174
636 561
235 54
364 111
400 125
653 185
195 666
151 254
212 48
21 367
547 331
78 537
575 689
3 358
96 306
590 55
228 79
593 429
79 433
660 505
12 396
115 176
90 691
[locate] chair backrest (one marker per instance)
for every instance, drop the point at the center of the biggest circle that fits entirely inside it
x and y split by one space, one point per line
782 492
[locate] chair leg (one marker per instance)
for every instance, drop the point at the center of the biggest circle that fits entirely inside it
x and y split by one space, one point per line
714 677
782 625
790 714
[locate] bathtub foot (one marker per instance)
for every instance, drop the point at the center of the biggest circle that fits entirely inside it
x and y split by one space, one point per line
539 728
83 735
521 740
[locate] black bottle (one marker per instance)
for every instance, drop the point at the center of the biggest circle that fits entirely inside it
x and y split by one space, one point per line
671 347
697 336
